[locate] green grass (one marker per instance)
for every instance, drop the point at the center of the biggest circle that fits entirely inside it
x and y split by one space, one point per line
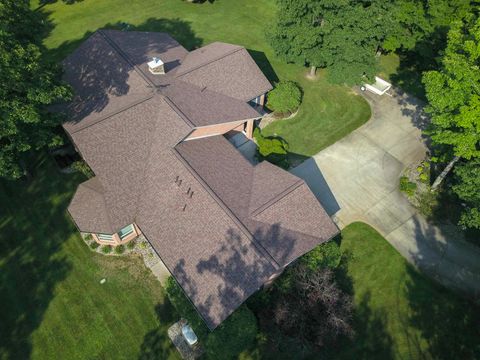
400 314
52 303
328 112
388 65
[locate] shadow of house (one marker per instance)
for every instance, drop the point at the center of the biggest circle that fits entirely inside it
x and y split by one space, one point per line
315 180
264 64
30 263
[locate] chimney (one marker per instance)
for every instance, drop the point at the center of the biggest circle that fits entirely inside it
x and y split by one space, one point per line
156 66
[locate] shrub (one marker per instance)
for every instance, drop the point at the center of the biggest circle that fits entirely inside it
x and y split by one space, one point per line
407 187
427 203
424 178
272 149
88 237
236 334
131 244
143 245
285 98
120 249
107 249
325 255
94 245
82 167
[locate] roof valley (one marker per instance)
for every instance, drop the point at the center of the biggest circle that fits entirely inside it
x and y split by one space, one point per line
227 210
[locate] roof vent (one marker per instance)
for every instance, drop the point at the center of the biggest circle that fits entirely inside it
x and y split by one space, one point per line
156 66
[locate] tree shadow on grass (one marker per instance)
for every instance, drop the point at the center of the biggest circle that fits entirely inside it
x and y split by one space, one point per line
423 57
33 227
156 344
179 29
449 324
372 339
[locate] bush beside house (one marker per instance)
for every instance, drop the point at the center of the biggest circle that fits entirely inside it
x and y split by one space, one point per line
272 149
285 98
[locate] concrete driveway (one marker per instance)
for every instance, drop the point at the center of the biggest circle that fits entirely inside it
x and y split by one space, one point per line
356 179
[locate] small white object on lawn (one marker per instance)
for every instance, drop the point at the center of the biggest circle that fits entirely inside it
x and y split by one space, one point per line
380 86
103 281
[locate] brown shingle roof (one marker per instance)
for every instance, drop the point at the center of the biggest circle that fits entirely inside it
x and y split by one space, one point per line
224 241
276 207
101 78
204 107
234 74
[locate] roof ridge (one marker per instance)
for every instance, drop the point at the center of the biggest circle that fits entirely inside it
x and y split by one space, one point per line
125 56
84 184
277 198
228 53
108 115
227 210
107 213
179 112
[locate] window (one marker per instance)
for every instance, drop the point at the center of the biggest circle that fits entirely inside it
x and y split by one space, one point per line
105 237
127 230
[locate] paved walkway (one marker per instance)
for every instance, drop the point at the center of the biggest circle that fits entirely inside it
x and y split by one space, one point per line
356 179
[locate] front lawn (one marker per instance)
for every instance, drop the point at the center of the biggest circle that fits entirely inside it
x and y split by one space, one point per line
399 313
328 112
52 303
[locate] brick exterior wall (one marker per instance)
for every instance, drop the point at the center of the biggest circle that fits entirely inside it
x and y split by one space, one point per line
116 239
218 129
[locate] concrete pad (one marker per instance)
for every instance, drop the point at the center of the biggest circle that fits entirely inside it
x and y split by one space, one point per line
409 151
390 212
161 272
357 179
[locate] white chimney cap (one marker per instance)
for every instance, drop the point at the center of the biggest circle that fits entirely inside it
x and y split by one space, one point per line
156 66
155 62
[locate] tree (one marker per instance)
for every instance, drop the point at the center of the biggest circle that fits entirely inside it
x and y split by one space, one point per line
468 189
453 94
28 84
407 23
297 33
285 98
316 311
344 35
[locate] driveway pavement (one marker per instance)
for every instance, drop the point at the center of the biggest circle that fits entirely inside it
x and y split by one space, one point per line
356 179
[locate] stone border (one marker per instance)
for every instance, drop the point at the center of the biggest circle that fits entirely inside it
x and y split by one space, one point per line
142 247
270 118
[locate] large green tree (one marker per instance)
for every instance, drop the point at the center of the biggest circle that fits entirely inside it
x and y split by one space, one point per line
453 94
28 84
345 35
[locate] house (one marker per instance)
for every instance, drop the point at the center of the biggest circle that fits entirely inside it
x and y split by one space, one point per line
149 117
